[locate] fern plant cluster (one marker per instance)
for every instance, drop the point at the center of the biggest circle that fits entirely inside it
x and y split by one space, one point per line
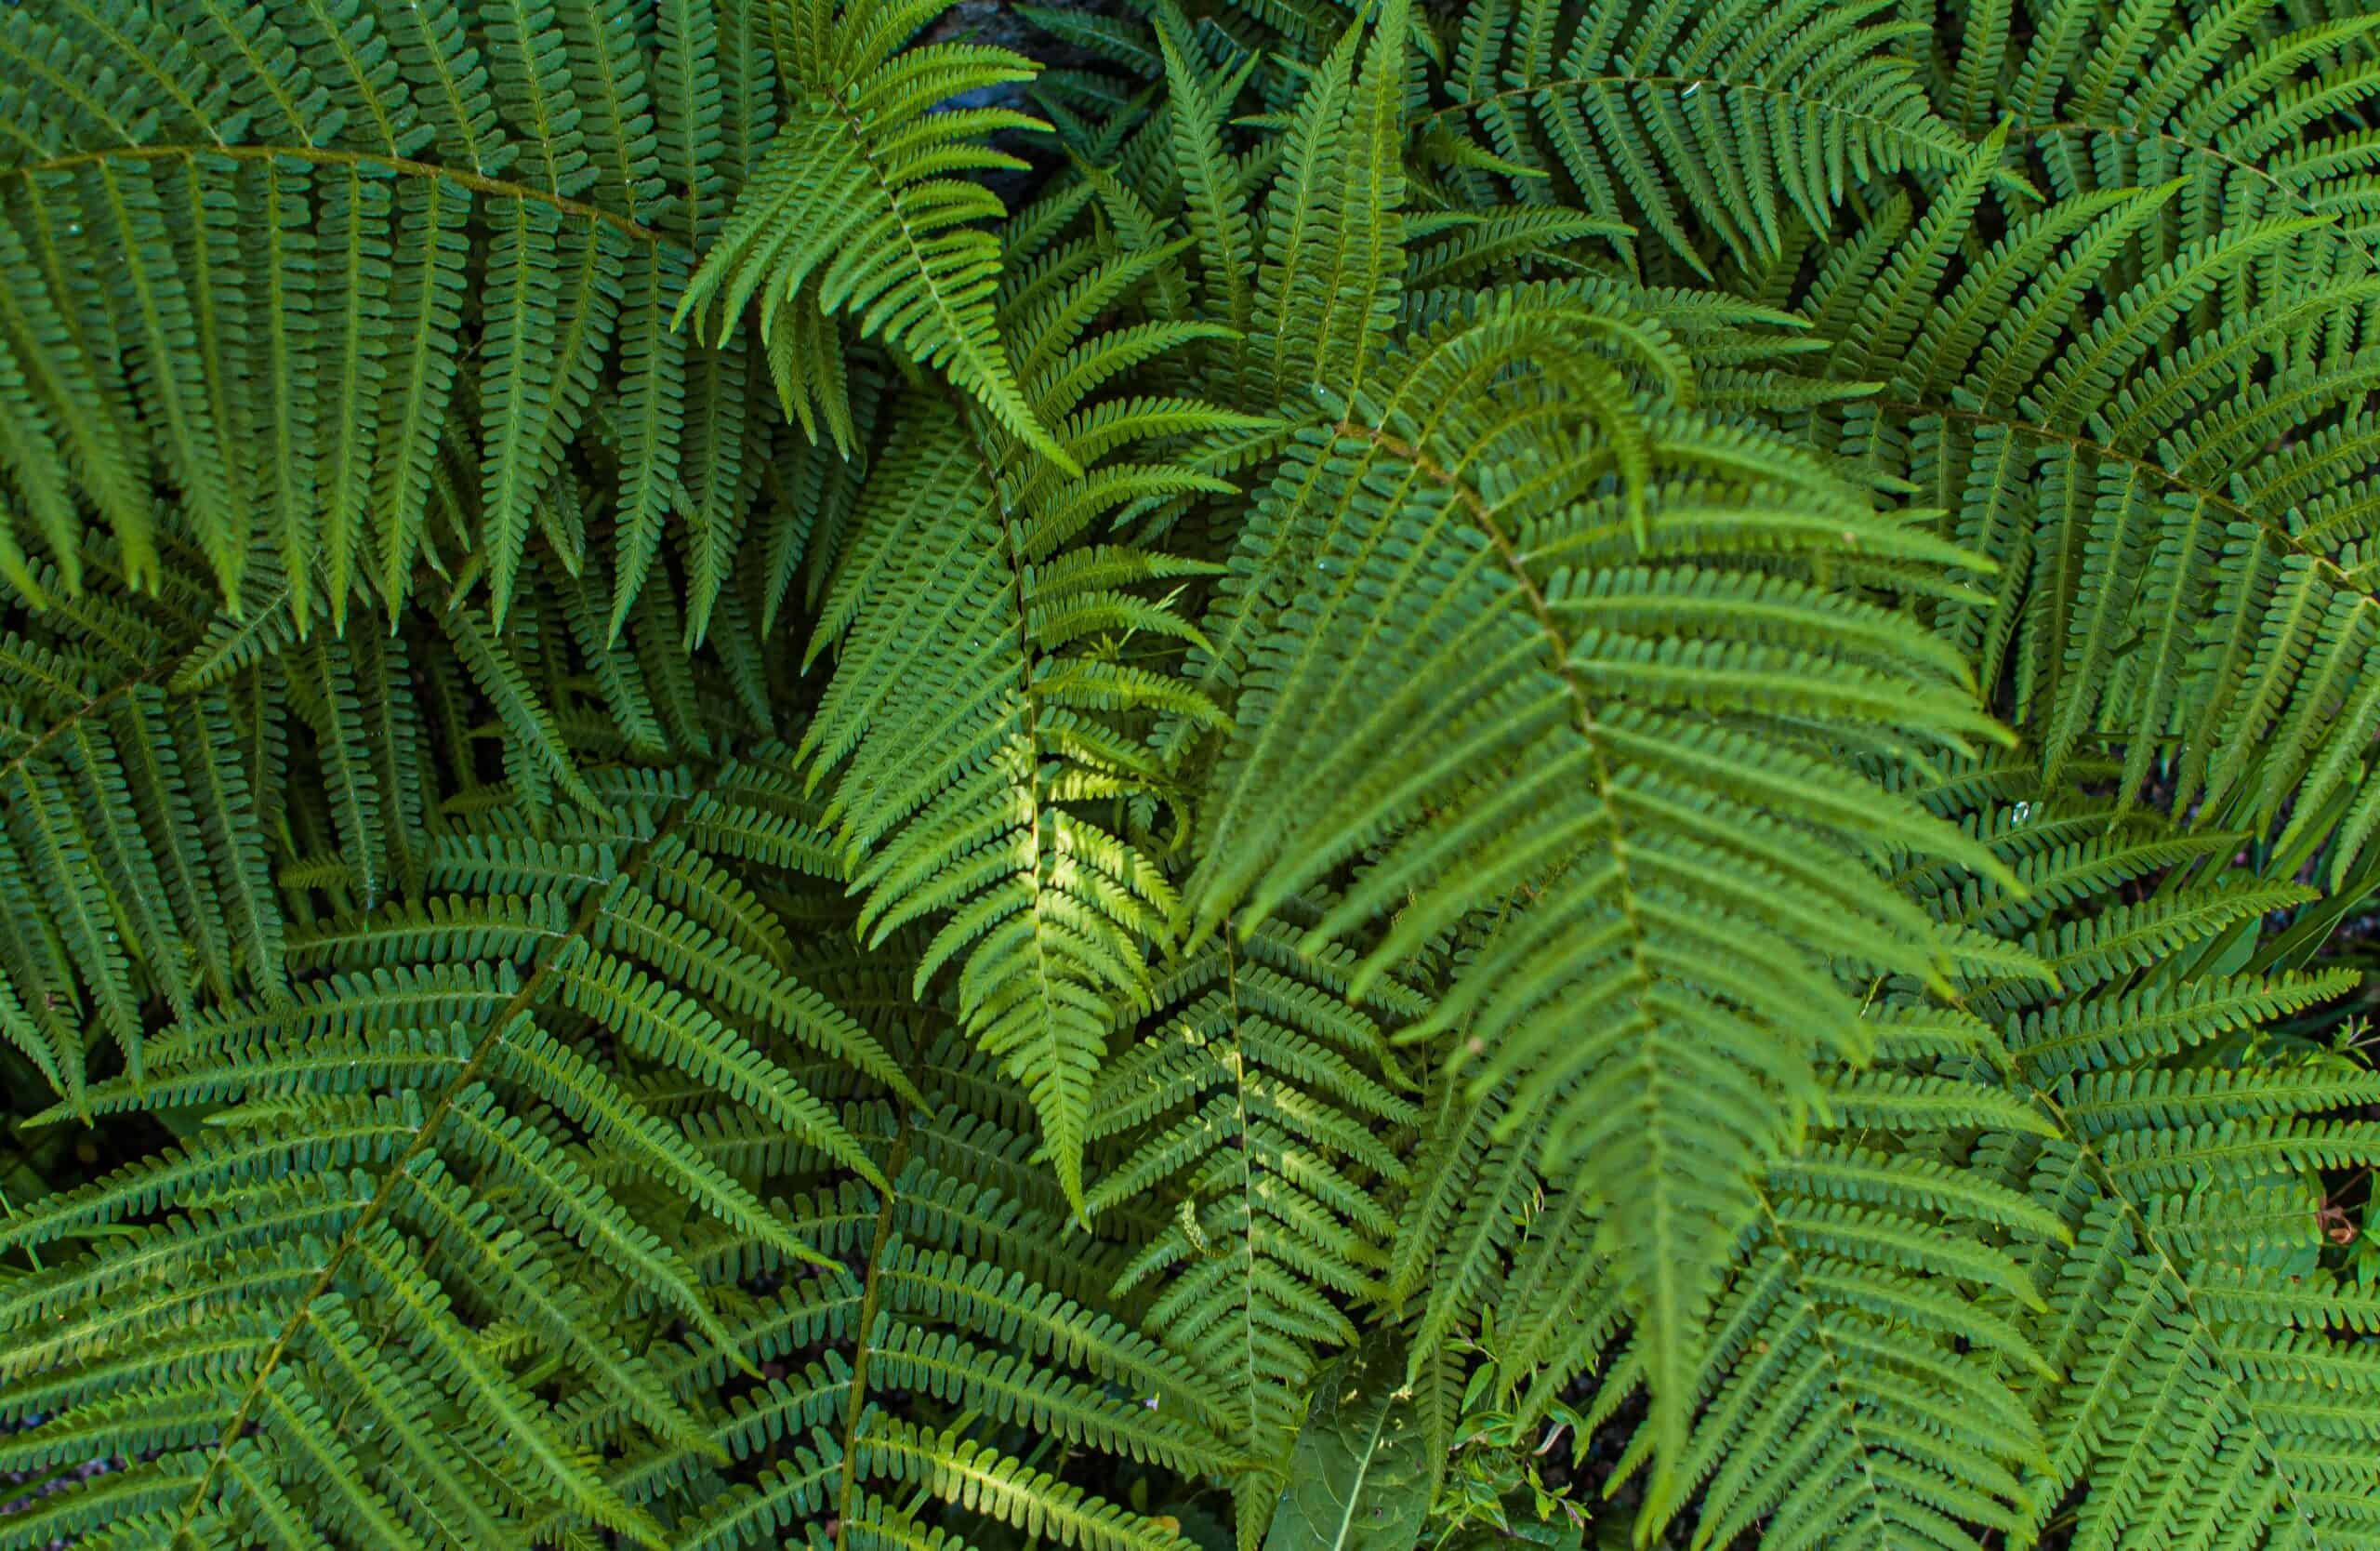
766 779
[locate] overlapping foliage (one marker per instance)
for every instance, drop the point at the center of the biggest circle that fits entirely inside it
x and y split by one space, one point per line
769 777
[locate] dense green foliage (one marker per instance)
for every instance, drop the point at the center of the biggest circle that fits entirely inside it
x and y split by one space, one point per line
768 778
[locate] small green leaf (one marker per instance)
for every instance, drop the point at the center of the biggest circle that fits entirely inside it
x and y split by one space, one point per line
1360 1477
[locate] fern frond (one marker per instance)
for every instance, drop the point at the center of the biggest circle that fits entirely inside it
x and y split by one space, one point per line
971 622
1253 1113
2159 586
417 1131
1465 720
855 208
1714 128
2167 1404
289 234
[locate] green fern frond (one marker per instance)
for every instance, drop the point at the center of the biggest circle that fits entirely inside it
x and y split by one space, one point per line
1364 722
1615 723
1255 1112
855 210
304 239
968 619
2158 584
1714 128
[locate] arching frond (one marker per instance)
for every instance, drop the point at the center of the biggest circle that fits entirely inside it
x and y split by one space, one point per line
855 209
2175 529
1259 1102
989 677
1478 684
1712 127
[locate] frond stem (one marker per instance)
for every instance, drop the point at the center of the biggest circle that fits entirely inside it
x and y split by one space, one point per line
863 1341
331 157
88 708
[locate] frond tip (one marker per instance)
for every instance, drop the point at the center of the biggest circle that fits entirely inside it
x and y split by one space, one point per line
861 207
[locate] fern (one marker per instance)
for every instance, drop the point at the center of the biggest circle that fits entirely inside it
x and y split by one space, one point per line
970 541
284 318
772 775
1734 116
1614 885
1264 1093
857 181
2155 583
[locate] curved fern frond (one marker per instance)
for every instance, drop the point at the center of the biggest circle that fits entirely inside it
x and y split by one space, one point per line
1460 687
992 661
1714 127
1857 1388
478 1147
1254 1112
293 288
2192 1379
2175 531
838 1431
2249 108
858 208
